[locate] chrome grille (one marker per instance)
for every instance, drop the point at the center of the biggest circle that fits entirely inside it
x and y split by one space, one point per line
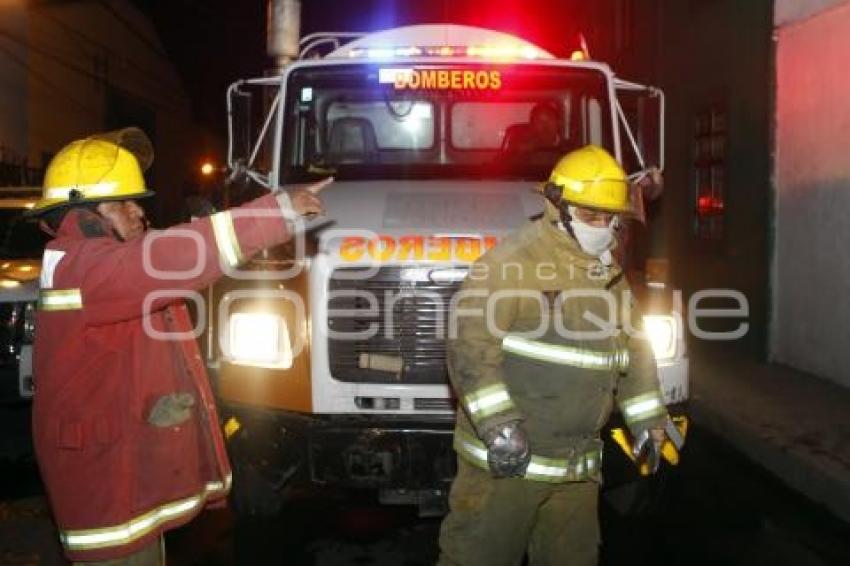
410 315
433 404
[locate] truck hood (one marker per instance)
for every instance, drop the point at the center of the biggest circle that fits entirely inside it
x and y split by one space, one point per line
431 207
403 222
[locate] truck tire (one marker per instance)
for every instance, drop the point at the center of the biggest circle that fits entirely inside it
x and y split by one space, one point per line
257 492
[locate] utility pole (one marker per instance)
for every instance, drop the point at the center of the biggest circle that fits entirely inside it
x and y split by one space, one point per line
283 32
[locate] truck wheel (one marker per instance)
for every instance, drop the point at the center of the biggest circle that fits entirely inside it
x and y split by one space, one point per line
257 492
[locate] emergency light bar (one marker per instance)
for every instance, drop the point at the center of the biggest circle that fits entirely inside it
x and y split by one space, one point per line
484 51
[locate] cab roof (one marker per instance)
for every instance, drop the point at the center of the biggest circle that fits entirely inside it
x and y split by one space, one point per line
437 35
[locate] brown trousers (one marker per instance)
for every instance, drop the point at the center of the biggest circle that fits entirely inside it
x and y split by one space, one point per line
151 555
495 522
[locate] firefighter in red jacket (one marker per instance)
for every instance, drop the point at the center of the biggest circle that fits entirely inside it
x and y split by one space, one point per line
124 423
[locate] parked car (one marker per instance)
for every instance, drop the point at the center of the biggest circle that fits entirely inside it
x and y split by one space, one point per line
21 248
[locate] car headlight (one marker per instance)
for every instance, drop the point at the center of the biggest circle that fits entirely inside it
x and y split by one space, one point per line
259 339
662 333
29 323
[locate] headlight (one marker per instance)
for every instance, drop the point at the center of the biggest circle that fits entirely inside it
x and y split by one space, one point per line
259 339
662 334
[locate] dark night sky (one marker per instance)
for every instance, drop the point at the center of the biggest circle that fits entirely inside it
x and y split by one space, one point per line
214 42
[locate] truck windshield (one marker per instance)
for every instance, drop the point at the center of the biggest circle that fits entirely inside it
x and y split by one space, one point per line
366 121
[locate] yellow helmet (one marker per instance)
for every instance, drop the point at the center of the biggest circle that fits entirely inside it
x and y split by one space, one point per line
590 177
100 167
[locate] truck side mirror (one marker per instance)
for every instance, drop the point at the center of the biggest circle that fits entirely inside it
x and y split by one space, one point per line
641 110
239 118
650 125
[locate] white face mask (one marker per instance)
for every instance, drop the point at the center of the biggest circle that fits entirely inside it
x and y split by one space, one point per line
593 240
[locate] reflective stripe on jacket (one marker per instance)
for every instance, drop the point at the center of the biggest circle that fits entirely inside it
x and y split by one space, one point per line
115 482
581 465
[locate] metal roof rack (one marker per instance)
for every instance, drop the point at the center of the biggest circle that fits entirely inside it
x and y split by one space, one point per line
335 39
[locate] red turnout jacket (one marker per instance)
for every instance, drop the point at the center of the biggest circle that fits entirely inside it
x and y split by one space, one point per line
115 482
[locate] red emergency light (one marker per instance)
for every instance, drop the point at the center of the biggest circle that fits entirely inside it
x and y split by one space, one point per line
708 206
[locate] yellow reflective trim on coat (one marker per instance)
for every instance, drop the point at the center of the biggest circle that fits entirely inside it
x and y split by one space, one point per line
488 401
138 527
540 468
474 449
60 300
546 468
566 355
225 238
643 407
592 459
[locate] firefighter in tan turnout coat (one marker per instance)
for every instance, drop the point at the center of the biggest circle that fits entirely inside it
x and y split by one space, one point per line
540 357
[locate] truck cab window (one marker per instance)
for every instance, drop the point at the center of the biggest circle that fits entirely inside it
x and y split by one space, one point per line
368 128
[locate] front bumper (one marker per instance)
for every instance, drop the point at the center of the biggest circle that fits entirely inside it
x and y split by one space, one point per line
373 451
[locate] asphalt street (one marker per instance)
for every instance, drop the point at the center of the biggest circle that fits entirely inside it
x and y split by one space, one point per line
715 508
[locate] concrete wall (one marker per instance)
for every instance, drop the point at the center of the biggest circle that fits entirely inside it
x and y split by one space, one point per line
710 53
812 176
14 56
790 11
86 66
84 55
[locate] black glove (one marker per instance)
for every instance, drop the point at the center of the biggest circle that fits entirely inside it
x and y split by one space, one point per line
646 449
508 452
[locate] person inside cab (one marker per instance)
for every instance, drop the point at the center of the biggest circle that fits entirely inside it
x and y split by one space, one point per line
542 137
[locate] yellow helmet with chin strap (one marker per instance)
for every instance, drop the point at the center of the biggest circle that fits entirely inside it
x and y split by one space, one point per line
591 178
98 168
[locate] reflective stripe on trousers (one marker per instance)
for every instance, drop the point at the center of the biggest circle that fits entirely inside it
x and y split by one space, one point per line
137 527
566 355
554 470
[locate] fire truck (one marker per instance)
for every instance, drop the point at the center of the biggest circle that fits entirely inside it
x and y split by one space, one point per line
329 354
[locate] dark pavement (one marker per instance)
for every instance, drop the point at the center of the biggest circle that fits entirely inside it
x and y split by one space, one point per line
716 508
792 423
